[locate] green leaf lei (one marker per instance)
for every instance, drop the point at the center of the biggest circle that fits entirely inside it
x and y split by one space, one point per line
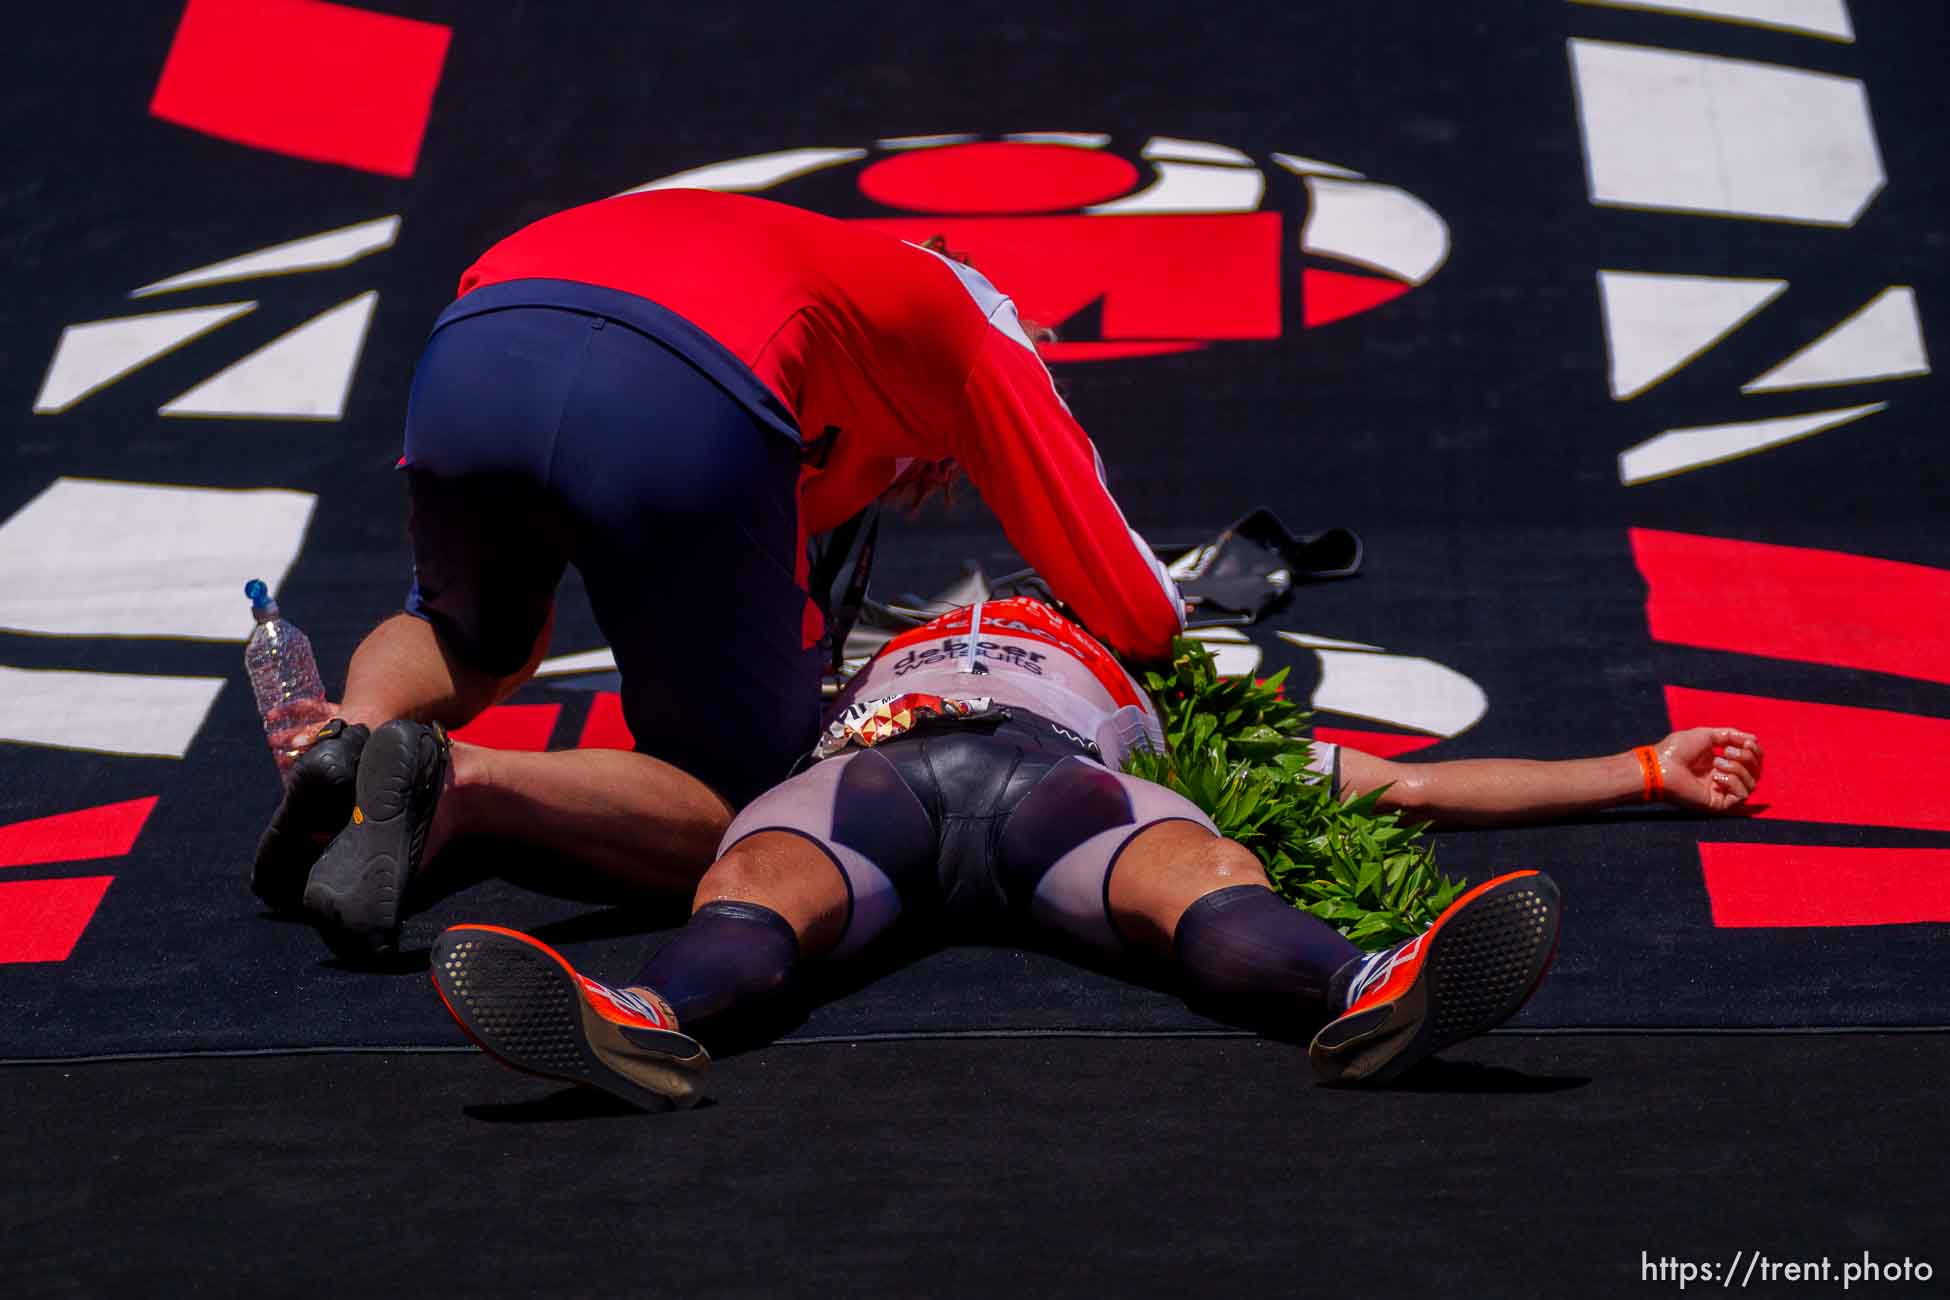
1239 750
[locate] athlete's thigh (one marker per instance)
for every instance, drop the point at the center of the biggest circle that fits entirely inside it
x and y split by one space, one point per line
859 812
1063 841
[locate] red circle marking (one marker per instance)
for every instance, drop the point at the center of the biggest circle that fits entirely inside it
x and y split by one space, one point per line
997 177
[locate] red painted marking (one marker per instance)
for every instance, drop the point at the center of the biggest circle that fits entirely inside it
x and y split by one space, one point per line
512 726
996 177
109 831
1382 744
1159 278
1802 885
324 82
1832 762
1334 295
605 728
1787 602
41 920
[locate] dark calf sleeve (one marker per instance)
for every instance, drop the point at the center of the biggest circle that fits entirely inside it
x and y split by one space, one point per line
1247 942
729 955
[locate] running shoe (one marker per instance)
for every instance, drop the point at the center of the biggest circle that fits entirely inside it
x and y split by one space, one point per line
357 885
317 804
1466 974
526 1006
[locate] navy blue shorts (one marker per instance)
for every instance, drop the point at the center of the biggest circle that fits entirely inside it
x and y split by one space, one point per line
544 436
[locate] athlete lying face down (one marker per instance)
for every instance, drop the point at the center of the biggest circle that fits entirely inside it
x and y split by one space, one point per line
968 783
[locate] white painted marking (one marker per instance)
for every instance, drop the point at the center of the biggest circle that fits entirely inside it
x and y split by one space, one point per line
94 558
758 172
1377 226
90 357
1814 17
588 661
1655 324
922 141
1312 642
1076 139
115 713
1695 133
313 253
1192 563
1160 148
1314 167
1882 340
1404 690
303 375
1232 654
1678 450
1193 187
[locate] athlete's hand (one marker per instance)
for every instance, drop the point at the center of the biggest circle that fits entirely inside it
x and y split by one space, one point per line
291 728
1709 769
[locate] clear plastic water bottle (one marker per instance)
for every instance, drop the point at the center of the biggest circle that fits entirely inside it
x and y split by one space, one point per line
284 678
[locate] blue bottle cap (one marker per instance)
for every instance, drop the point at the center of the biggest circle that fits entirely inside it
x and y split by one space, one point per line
260 594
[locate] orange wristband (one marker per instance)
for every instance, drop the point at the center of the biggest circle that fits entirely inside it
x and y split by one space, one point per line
1655 777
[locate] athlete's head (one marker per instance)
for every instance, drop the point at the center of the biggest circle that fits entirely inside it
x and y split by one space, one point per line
920 481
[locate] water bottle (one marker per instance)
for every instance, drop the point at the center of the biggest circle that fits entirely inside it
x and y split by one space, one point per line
284 677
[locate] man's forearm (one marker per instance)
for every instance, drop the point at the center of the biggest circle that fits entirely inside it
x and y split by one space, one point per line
1702 769
1491 791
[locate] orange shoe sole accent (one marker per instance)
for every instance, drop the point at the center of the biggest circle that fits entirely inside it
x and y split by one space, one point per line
1408 972
1479 963
521 1002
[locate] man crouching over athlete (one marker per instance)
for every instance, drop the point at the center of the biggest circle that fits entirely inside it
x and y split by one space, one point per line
968 783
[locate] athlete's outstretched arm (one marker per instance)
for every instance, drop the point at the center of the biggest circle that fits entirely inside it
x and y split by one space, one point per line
1705 769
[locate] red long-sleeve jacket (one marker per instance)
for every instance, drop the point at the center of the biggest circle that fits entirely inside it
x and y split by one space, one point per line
892 352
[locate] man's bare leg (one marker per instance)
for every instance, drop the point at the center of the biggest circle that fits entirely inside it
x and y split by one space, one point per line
400 670
403 670
774 900
637 821
1205 903
1184 892
1164 870
788 874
